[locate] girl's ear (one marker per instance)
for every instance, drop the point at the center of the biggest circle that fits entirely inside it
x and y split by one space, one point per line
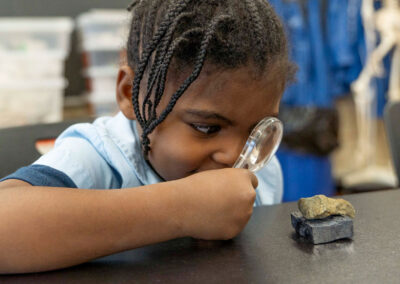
124 91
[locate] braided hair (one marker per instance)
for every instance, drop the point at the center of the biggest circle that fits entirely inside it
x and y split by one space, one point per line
182 34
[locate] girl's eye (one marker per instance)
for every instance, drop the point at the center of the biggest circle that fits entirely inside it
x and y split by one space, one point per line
206 129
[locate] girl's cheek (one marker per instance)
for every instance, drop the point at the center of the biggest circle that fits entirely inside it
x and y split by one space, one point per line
187 160
177 154
174 162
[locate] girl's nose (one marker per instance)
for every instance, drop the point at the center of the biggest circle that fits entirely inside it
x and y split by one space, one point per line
228 151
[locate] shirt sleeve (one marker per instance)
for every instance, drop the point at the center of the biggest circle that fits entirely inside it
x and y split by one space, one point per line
270 184
38 175
78 159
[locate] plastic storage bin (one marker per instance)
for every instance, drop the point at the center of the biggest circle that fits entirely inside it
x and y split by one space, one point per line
30 102
103 35
103 29
102 86
103 58
103 103
102 80
27 36
34 47
32 55
40 66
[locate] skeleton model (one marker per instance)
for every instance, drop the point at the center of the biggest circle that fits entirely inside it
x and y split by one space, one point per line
385 21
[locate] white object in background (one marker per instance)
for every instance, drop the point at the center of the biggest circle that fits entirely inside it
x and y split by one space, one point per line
34 47
35 35
103 103
387 22
32 55
103 35
105 29
42 65
103 82
104 58
103 79
30 102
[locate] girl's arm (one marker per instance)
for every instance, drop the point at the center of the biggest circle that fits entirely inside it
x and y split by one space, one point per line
46 228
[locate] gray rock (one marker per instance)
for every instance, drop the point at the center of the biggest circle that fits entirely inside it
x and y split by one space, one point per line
321 231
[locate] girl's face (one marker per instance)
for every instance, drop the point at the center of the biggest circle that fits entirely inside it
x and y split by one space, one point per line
211 122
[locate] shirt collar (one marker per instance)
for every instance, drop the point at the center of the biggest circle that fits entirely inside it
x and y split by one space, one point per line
144 171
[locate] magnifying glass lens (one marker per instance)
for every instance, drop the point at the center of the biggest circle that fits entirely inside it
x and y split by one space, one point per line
262 144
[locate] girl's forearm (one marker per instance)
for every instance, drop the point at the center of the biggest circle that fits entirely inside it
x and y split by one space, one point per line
50 228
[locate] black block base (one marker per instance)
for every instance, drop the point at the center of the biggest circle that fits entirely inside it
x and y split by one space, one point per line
325 230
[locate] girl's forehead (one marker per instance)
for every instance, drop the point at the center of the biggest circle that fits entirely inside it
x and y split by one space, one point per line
233 92
240 82
227 91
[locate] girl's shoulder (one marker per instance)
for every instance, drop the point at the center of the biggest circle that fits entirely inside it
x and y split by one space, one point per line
102 154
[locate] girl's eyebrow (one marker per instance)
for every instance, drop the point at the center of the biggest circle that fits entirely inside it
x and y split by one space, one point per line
205 114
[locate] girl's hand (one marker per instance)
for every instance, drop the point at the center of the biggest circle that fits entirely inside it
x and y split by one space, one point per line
216 204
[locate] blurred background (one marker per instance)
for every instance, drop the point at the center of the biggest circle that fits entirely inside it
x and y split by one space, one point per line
59 62
87 43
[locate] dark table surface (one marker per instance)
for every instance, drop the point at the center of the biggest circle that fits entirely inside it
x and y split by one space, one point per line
267 251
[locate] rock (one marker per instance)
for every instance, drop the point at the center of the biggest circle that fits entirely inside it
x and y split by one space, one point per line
320 206
319 231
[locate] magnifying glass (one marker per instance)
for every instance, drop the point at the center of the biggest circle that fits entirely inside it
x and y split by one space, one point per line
261 145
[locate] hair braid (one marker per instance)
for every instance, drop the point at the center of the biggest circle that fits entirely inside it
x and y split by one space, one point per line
174 10
277 46
154 75
151 18
133 5
160 89
166 41
196 71
167 60
257 26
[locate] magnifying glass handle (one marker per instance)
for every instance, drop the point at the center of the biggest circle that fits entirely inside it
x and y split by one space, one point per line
242 161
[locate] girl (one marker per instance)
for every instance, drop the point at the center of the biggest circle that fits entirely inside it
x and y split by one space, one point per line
200 75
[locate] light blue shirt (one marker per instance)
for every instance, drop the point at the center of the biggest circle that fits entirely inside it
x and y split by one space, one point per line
106 154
